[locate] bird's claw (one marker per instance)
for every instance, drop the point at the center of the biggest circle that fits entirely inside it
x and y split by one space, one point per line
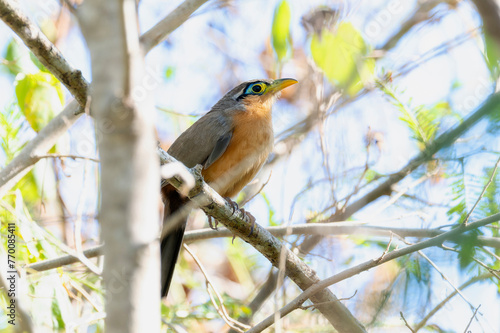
211 224
249 218
233 204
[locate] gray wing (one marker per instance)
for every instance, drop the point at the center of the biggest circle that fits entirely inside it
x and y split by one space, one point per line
204 142
219 149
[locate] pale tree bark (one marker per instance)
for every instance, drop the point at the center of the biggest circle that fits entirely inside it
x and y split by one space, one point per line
490 14
129 166
172 21
44 50
47 53
324 229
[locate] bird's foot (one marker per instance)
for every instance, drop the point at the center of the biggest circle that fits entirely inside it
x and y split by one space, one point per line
211 224
233 204
234 207
249 218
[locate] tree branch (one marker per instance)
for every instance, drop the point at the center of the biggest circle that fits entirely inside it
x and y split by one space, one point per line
490 14
37 147
25 322
219 303
129 168
367 265
172 21
492 104
268 245
448 298
444 140
48 54
421 14
331 229
44 50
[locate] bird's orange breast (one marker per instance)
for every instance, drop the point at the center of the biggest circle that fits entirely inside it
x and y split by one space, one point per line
251 143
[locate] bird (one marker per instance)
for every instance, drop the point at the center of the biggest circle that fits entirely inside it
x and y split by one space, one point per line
231 142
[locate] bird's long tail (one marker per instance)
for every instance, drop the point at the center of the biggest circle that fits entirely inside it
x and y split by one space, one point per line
171 243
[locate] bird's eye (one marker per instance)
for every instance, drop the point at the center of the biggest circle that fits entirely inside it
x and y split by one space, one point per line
257 88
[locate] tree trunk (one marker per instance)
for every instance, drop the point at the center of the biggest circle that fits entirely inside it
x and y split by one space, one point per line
129 166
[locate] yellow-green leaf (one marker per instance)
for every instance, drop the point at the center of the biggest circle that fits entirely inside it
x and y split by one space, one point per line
40 98
342 55
15 56
281 31
492 53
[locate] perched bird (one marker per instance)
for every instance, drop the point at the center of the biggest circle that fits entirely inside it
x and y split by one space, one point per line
231 142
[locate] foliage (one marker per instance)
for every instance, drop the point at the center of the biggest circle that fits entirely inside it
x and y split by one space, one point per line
280 34
343 57
11 121
492 55
424 122
321 127
40 97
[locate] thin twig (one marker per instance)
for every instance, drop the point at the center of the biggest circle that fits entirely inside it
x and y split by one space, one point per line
172 21
473 316
494 272
44 50
84 260
444 140
269 246
88 297
434 52
247 200
367 265
441 273
360 179
74 157
441 142
484 191
406 323
334 228
175 113
491 253
305 307
25 322
386 249
446 278
221 310
402 192
448 298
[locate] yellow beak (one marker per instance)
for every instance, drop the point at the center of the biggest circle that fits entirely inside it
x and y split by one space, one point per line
281 84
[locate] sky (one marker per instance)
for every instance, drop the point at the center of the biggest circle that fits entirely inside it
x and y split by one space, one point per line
199 65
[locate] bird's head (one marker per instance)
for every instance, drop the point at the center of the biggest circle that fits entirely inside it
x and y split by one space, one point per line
254 95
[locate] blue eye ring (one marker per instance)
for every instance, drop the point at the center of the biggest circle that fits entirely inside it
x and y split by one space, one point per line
257 88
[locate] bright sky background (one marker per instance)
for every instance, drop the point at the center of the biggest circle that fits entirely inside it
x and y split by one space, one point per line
199 66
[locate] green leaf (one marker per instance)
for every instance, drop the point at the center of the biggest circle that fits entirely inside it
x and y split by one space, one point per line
423 121
15 56
11 121
492 55
371 175
38 64
489 204
342 55
272 212
494 121
280 33
169 72
57 317
467 250
40 97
